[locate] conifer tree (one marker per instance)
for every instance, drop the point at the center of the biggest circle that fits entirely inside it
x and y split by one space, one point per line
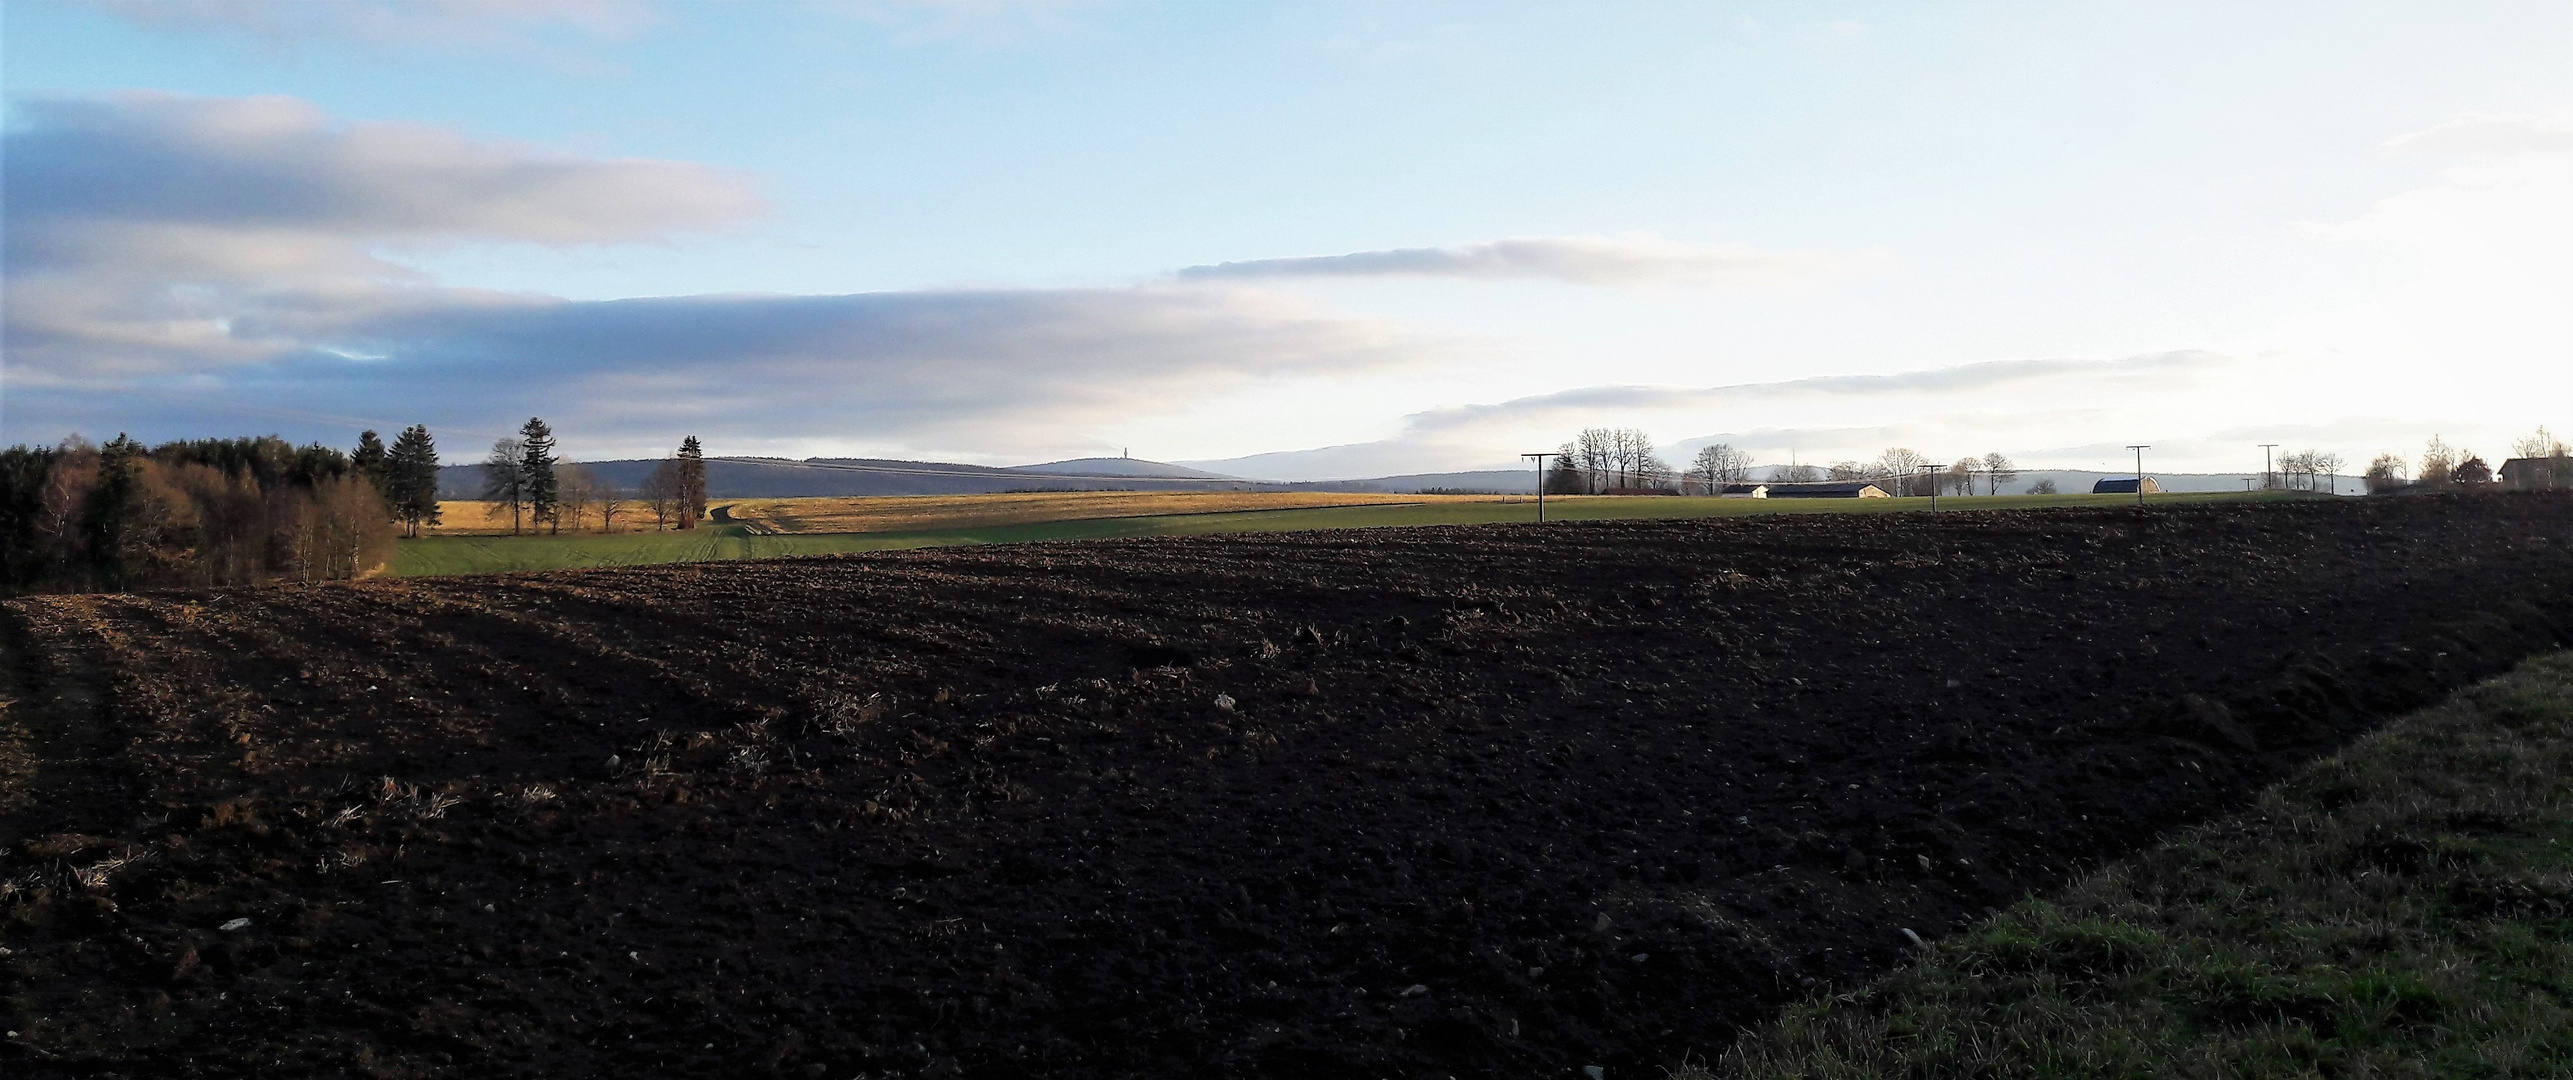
411 472
536 464
368 459
108 522
692 482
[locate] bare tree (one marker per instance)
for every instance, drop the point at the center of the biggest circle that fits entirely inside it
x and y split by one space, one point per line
2437 461
2385 474
576 494
612 504
661 494
1596 451
2543 444
1793 474
504 477
1650 471
1998 470
2328 463
1903 465
1846 470
1960 477
2303 470
1719 464
2045 486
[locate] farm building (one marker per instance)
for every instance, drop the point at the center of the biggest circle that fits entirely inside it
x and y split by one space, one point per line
1830 489
2125 485
2538 474
1744 491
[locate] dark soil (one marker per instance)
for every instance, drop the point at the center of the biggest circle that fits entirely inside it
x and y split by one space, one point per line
1486 801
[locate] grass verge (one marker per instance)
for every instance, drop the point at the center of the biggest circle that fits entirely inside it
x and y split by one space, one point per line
2404 909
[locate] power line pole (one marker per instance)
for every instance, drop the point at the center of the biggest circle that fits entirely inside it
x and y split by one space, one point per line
2268 478
1541 481
2139 449
1933 480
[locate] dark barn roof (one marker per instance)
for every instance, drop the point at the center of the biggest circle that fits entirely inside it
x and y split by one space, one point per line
2124 485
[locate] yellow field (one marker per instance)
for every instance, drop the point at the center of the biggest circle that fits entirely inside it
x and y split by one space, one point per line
914 513
458 517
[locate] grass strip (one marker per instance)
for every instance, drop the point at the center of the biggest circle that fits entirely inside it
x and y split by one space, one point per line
476 554
2403 909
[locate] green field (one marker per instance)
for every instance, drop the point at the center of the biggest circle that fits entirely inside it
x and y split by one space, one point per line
486 554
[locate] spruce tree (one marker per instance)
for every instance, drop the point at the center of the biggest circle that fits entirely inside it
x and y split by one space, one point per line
536 465
411 472
692 482
109 519
368 459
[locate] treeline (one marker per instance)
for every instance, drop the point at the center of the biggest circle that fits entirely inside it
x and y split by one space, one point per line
77 517
2540 461
546 493
1624 461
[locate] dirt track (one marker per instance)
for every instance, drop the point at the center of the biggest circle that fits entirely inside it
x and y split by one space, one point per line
1486 800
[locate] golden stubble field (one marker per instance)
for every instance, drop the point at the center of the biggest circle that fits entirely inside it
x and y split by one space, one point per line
466 517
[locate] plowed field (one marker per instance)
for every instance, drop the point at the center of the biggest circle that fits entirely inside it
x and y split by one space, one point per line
1471 801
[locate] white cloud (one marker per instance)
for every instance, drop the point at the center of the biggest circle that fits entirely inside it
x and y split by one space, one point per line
2488 133
183 256
1595 260
152 233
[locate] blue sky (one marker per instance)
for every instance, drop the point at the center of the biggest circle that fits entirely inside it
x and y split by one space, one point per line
991 231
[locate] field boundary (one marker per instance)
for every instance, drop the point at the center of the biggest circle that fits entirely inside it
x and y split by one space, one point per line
758 529
2404 907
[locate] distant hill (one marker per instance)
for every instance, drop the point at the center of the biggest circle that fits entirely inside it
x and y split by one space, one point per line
1117 466
782 478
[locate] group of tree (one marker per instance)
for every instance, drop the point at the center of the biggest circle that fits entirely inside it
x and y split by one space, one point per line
546 493
1901 471
1624 460
78 517
2444 467
1603 461
1995 469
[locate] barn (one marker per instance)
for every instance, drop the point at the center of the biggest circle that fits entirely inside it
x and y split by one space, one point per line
1829 489
2537 474
2125 485
1743 491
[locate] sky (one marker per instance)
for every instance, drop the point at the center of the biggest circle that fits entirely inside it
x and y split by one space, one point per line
1302 240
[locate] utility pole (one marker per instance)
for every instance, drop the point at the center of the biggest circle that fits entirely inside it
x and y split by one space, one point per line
1933 479
1541 481
2139 449
2268 479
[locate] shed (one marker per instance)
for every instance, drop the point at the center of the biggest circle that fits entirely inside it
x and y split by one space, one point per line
2537 473
1743 491
2125 485
1829 489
